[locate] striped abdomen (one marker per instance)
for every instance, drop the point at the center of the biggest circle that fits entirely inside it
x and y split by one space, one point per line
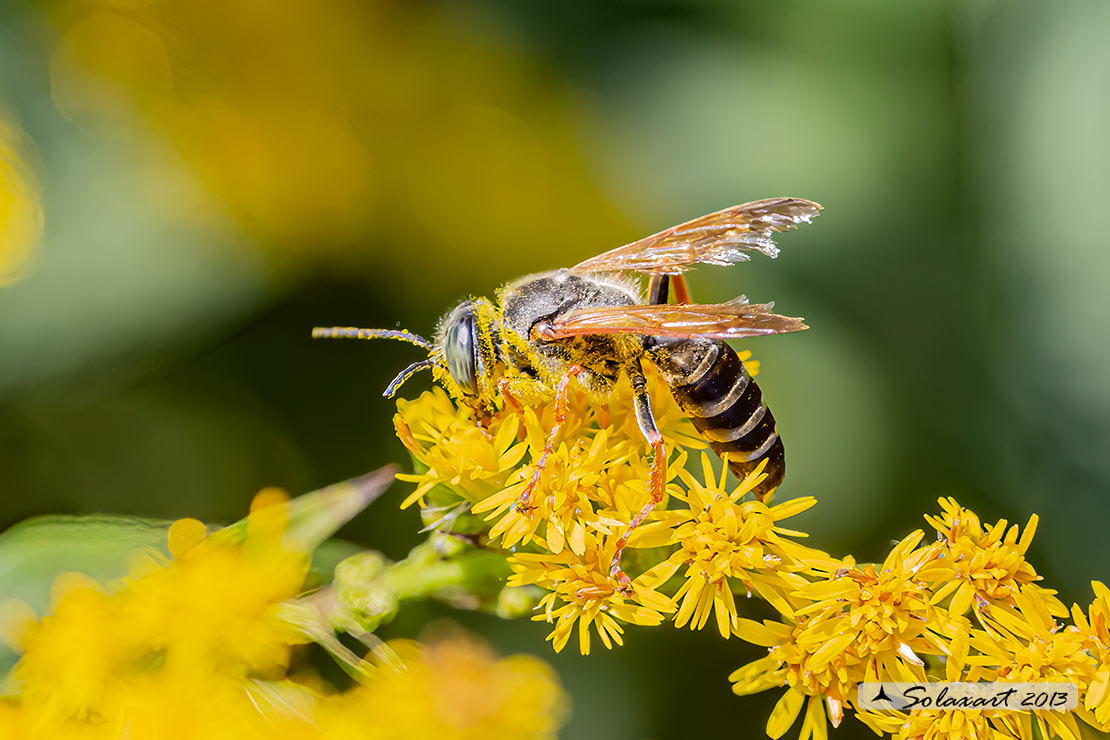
727 408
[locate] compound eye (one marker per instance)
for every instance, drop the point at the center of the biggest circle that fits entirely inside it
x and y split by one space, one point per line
461 348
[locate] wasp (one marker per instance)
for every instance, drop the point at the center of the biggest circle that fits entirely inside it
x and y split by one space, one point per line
592 324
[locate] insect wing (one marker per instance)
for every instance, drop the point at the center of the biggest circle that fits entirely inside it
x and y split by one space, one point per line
721 238
734 320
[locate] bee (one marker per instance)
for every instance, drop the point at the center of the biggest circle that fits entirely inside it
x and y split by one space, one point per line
592 325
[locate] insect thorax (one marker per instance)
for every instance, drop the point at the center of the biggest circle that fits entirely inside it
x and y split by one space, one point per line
534 298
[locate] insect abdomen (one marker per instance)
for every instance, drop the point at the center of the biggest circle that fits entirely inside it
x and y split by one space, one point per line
726 406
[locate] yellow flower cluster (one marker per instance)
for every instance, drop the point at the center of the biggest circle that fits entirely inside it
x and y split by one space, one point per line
905 620
592 485
963 606
196 647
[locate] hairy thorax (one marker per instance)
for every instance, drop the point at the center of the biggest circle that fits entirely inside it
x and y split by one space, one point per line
534 368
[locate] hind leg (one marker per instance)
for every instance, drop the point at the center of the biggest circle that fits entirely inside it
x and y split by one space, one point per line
660 287
658 483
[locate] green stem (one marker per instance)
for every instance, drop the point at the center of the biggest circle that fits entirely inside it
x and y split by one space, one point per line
370 591
474 571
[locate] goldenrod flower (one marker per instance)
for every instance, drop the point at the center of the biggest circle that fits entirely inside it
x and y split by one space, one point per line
979 563
941 724
578 493
825 675
1094 627
882 612
722 537
1026 645
214 626
582 591
933 724
454 450
862 624
600 461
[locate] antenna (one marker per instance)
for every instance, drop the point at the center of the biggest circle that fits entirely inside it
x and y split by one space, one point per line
351 332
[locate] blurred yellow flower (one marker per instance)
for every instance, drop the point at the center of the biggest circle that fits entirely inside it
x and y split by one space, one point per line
214 605
205 617
451 688
63 674
196 648
347 132
21 218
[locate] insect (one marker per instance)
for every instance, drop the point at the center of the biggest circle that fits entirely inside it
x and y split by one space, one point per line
592 324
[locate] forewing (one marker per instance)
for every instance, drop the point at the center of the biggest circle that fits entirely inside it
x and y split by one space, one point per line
733 320
721 238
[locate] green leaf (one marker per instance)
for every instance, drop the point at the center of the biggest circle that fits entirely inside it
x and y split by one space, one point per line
316 516
36 551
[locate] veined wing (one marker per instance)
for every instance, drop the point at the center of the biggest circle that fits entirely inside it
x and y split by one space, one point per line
721 238
733 320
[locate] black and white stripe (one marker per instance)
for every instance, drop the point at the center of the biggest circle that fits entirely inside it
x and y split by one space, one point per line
726 406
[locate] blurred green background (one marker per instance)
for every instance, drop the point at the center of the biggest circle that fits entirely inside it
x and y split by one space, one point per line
215 178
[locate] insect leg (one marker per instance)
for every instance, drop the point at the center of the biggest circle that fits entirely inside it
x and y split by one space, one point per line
657 486
659 288
524 503
681 289
510 399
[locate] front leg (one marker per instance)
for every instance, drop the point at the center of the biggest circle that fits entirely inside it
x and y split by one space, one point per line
658 483
504 388
562 394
